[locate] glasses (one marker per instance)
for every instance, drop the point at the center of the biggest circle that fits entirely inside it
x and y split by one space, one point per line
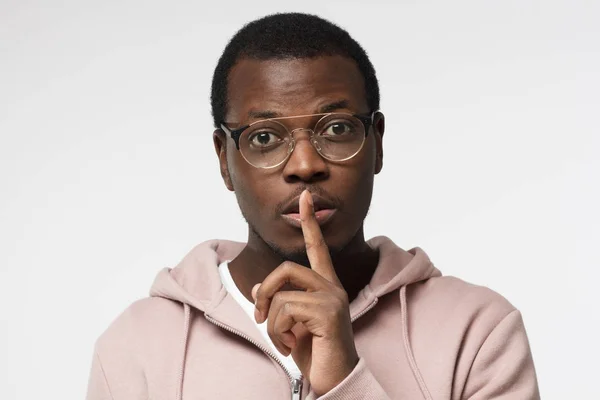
268 143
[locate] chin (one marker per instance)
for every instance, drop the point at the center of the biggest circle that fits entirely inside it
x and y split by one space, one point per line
288 242
297 252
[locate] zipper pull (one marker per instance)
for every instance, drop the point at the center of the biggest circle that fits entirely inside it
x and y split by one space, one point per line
296 389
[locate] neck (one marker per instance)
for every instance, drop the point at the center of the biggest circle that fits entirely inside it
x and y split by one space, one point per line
354 264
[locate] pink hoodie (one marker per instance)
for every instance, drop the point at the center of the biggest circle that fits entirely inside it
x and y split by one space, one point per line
419 336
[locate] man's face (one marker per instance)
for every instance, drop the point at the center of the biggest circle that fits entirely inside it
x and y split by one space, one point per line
291 87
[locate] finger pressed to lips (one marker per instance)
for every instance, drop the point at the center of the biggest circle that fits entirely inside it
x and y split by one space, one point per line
316 247
319 209
321 276
323 217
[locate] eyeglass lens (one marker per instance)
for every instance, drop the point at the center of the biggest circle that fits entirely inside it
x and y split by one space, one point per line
336 137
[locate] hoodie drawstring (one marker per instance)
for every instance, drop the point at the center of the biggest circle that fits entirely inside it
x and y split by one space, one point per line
407 348
186 330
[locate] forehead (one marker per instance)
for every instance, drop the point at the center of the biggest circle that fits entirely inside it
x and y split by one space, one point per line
293 87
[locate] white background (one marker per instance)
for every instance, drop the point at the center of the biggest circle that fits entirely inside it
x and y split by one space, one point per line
108 173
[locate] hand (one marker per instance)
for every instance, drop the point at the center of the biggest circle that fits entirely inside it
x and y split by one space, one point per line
313 323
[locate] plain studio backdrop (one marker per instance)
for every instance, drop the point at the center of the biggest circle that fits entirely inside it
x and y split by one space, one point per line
108 172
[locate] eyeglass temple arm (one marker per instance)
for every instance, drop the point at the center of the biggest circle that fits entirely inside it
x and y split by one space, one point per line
367 120
235 134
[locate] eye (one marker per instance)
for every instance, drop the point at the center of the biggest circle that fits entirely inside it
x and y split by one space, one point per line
264 139
339 128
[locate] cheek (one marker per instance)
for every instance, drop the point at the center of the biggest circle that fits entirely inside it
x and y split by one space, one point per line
240 171
250 184
363 166
360 179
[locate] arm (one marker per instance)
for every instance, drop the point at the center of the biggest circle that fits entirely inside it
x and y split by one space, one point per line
116 372
360 384
97 385
503 368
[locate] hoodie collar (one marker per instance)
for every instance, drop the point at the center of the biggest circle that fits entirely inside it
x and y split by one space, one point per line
195 280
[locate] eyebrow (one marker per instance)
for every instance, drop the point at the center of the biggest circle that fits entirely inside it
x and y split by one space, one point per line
337 105
327 108
263 114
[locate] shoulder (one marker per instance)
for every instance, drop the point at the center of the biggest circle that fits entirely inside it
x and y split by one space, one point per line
142 345
140 326
452 319
458 302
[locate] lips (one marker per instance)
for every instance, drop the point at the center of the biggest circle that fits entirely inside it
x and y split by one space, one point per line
293 207
324 210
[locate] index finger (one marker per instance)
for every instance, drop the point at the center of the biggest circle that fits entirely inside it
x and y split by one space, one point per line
316 248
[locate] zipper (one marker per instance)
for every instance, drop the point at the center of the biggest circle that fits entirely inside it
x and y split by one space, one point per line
366 310
296 389
295 383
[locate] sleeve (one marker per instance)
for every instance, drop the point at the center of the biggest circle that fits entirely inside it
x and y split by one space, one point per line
98 385
503 367
360 384
117 372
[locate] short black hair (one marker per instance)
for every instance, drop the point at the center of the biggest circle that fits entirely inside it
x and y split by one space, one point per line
289 35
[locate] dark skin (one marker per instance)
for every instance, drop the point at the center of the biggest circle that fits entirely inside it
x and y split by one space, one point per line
325 266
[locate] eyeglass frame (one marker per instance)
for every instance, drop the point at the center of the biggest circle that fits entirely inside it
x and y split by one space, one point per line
367 121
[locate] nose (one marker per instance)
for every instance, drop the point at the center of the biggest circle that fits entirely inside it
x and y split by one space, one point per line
305 164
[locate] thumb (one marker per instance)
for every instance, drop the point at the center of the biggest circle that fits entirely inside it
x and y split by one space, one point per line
257 315
255 291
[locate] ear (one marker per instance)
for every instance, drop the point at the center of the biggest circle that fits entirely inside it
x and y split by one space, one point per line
220 142
378 130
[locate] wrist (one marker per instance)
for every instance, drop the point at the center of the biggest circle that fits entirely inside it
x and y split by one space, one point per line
344 369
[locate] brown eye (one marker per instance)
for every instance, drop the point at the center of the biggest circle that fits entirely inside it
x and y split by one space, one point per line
337 129
263 139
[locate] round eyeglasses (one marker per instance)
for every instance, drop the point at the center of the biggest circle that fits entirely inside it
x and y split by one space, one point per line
268 143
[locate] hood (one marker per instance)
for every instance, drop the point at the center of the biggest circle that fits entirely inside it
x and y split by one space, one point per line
195 282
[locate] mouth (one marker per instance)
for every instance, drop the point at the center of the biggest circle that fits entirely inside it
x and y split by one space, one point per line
324 211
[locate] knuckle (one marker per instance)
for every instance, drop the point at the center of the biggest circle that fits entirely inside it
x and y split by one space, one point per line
287 267
343 296
277 299
340 295
287 308
337 307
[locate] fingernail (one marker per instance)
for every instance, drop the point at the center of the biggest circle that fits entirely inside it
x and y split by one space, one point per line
255 292
257 316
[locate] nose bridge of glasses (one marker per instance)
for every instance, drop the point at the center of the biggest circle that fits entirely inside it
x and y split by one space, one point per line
309 136
309 131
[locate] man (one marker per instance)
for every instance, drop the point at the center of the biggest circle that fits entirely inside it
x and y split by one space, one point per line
306 308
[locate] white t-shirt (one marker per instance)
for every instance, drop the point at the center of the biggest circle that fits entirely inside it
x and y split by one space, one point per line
248 307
